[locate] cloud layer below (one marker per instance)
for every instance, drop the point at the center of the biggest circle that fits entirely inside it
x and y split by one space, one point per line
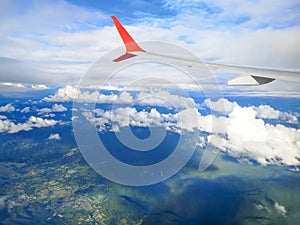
249 133
253 133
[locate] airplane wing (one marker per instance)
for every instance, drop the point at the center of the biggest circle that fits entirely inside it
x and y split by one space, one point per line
248 76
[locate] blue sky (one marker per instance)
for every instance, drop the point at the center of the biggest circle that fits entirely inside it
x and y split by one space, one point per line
61 39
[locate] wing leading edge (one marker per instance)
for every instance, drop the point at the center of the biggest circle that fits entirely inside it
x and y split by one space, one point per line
249 76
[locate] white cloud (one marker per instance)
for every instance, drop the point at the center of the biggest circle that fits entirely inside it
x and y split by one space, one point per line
288 117
54 137
58 108
267 112
189 119
222 105
44 110
39 86
69 93
21 34
25 110
251 137
65 94
164 99
54 108
74 118
122 117
124 98
39 122
11 127
246 135
49 115
17 85
7 108
144 98
213 124
2 200
280 209
108 87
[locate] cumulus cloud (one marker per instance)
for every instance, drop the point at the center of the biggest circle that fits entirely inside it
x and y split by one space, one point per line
7 108
267 112
49 115
25 110
58 108
222 105
44 110
11 127
144 98
69 93
280 209
164 99
54 108
54 137
65 94
250 137
122 117
242 133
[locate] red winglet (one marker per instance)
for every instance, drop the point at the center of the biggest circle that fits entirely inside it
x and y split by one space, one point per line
131 45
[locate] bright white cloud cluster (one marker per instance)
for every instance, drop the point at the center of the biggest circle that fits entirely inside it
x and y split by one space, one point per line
69 93
54 137
280 209
248 136
39 86
251 137
7 108
224 107
122 117
55 108
11 127
164 99
267 112
144 98
58 108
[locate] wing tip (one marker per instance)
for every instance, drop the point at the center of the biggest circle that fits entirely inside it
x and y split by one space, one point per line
129 42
